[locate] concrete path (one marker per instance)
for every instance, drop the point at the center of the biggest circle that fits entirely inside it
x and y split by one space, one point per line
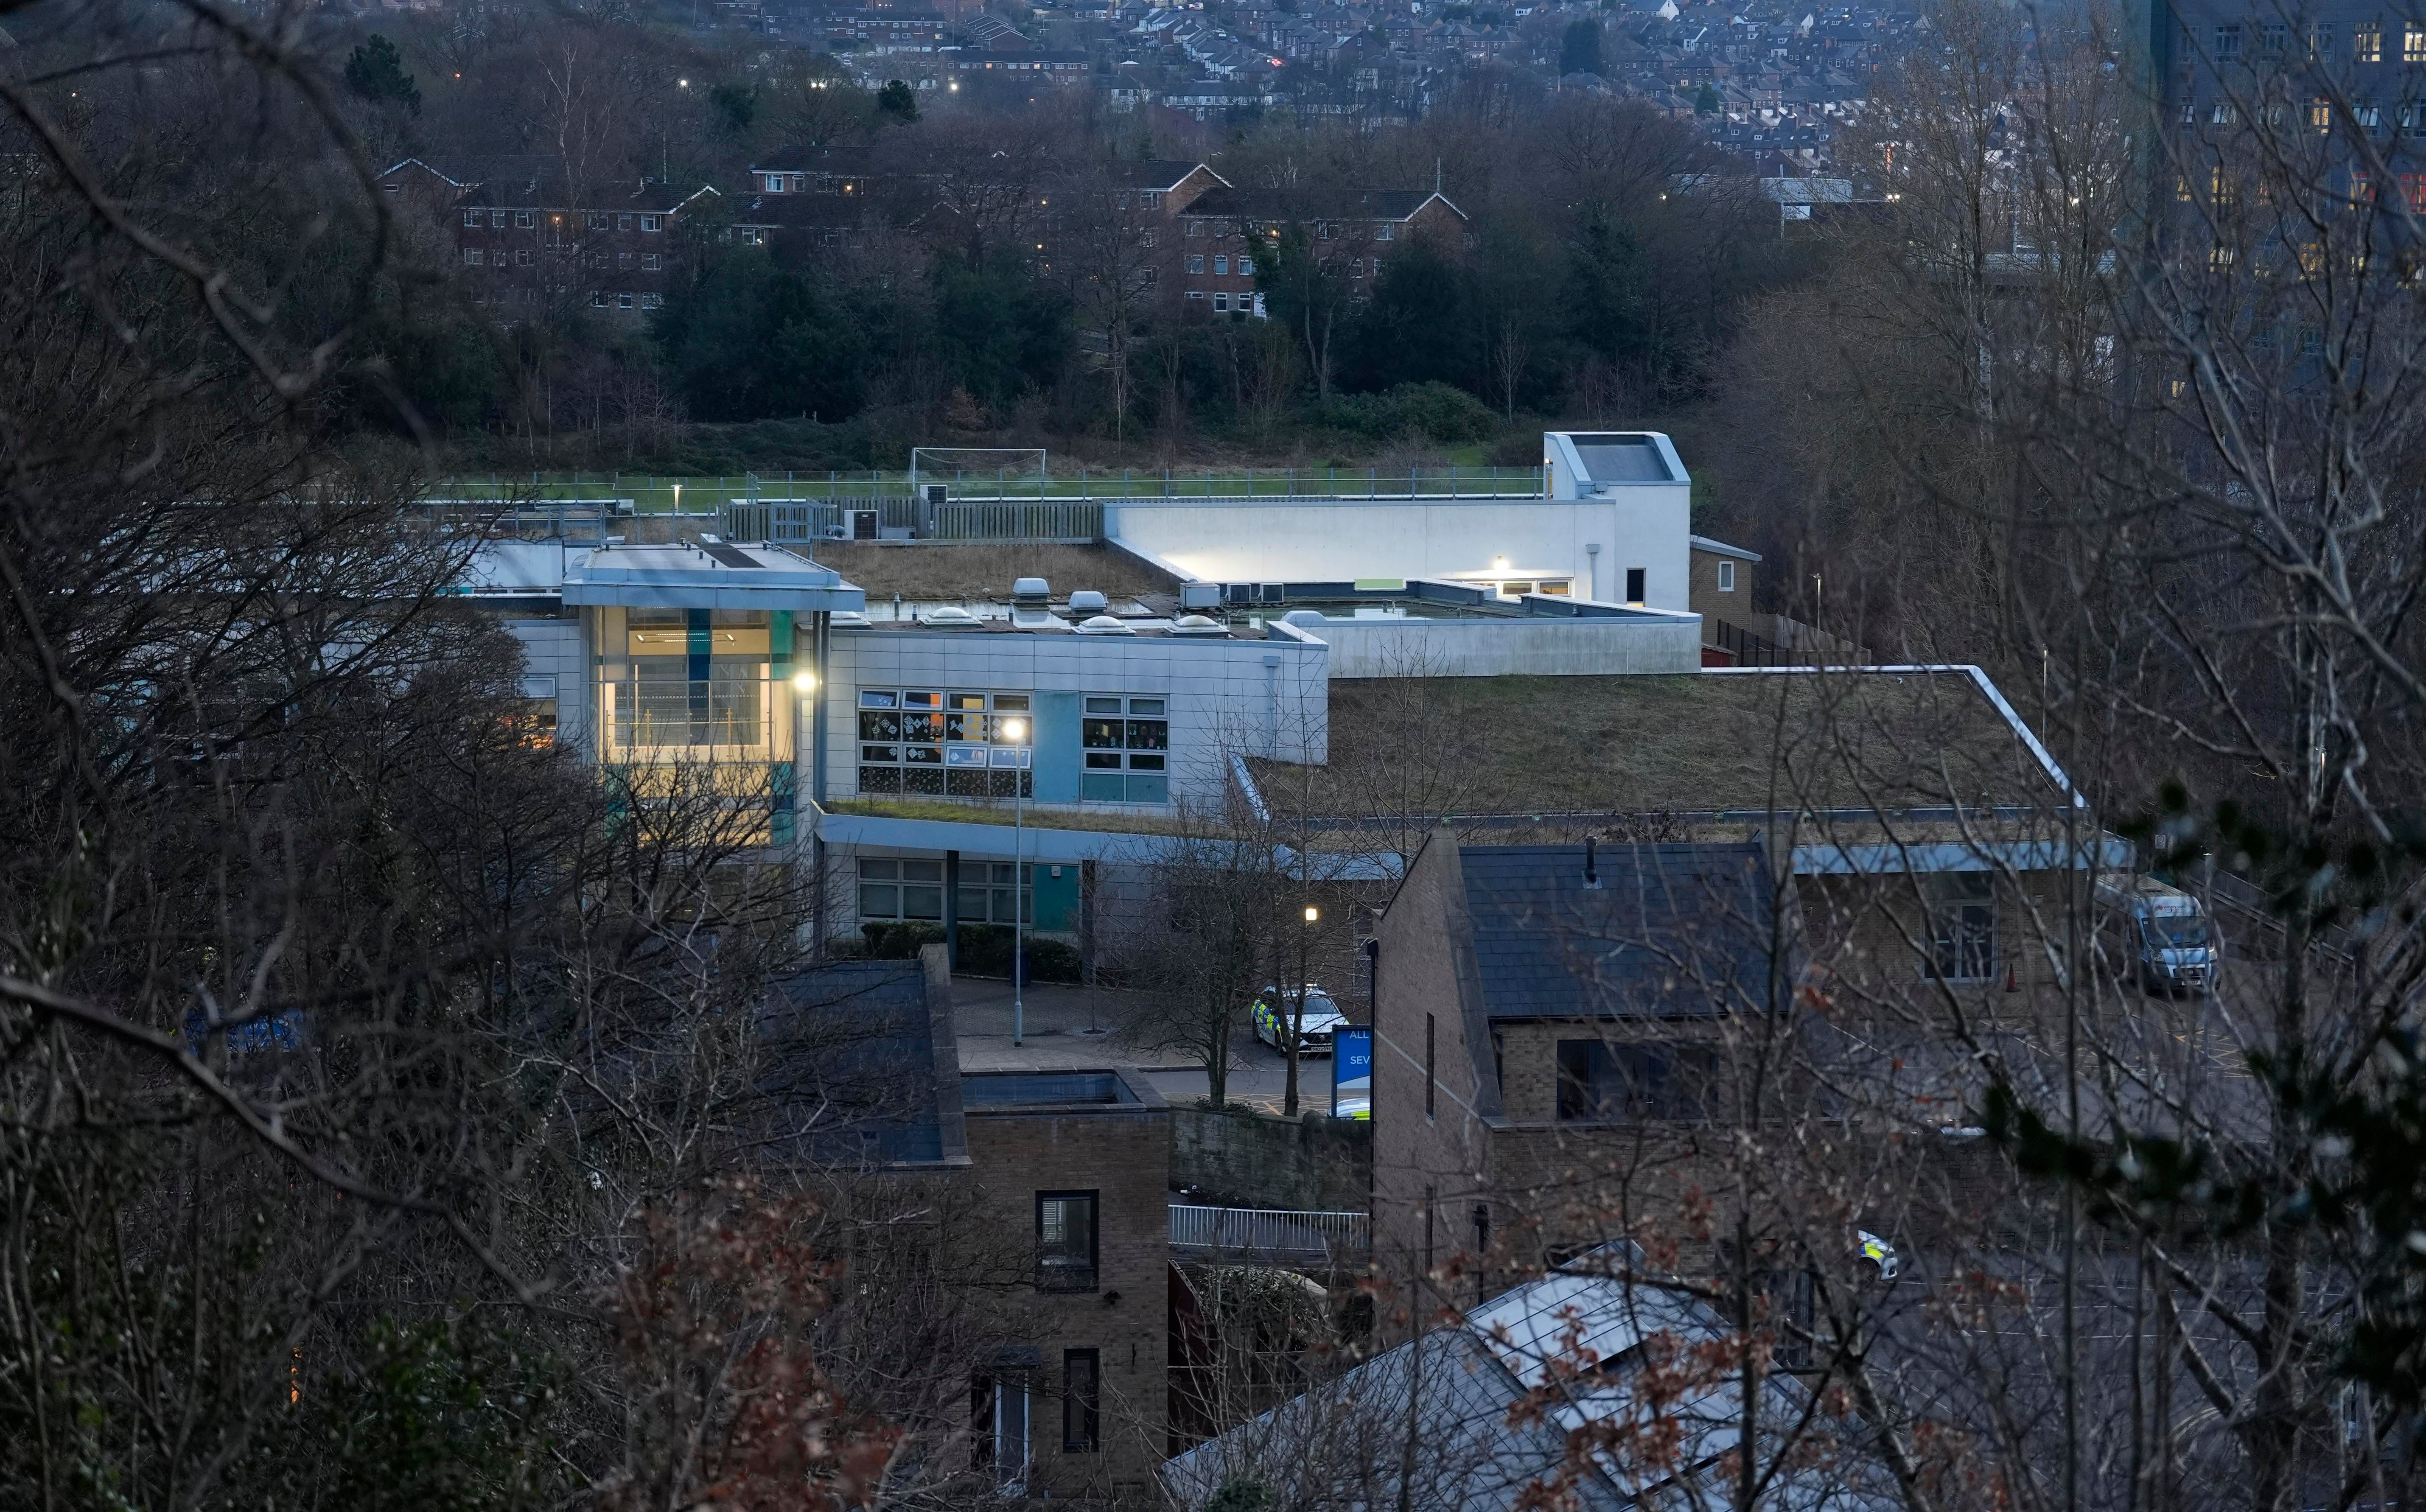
1080 1028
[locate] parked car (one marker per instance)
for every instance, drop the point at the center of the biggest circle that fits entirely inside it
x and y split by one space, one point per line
1272 1013
2164 934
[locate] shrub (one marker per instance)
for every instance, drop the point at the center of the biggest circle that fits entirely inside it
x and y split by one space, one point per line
985 949
1441 412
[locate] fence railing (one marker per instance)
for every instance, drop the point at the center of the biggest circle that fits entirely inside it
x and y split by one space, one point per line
901 518
1270 1233
656 493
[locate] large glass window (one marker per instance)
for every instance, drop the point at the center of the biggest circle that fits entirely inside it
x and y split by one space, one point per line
1125 748
897 889
693 685
926 741
1065 1241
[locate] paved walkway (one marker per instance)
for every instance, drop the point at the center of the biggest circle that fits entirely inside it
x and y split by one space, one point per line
1083 1028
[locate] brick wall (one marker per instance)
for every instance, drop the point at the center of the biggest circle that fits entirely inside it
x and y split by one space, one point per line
1123 1154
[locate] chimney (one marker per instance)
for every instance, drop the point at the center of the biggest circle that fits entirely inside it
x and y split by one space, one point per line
1592 860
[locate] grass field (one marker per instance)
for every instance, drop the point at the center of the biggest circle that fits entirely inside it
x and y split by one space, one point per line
655 493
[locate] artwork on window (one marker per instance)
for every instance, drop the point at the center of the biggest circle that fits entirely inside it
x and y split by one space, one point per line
1124 749
923 742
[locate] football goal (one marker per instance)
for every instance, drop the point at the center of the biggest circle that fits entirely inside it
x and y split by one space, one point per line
1017 471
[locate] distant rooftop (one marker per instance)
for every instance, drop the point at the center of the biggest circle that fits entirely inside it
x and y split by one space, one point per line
1696 743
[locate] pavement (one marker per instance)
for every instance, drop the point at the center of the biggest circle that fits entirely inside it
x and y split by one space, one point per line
1085 1028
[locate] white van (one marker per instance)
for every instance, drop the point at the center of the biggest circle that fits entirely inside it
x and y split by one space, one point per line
2168 939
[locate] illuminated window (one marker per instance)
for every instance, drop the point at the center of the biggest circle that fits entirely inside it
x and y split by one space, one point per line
920 741
2321 117
1125 746
2413 43
2366 42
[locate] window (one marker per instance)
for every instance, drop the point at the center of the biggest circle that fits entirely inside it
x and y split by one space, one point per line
1634 584
2228 44
1221 266
800 180
2413 43
1082 1401
1726 577
999 1431
1246 268
2413 190
1962 924
1376 267
923 741
1384 232
472 256
623 300
650 301
653 222
471 217
497 219
896 889
522 257
1196 263
2366 42
597 298
623 260
522 219
1599 1082
596 220
1065 1241
2368 117
1196 293
751 236
2224 113
2321 117
2272 39
1196 228
1325 231
774 184
1221 303
651 262
622 222
1125 751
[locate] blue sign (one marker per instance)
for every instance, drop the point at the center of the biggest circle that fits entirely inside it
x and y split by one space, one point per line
1352 1073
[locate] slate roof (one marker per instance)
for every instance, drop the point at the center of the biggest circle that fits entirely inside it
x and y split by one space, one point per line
1673 930
1438 1412
859 1067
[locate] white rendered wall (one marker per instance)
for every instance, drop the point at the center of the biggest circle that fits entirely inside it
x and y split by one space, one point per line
1222 698
1643 526
1502 648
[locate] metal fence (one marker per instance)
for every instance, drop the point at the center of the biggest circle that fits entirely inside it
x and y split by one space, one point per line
793 521
656 493
1270 1233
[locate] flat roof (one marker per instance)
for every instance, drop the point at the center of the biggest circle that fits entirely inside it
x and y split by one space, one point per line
707 573
922 572
1688 743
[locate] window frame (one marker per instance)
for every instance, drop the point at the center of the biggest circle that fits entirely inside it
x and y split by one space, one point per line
1082 1407
1726 577
1067 1279
1960 924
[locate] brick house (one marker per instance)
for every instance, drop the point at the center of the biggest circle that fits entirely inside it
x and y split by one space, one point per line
1057 1187
525 238
1222 231
1888 843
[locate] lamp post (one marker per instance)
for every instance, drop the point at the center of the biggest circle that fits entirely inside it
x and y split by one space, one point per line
1297 1015
1016 731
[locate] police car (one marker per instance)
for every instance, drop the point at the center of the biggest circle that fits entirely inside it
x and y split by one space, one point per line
1272 1013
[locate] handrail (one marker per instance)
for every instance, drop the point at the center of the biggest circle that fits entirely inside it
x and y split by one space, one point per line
1271 1232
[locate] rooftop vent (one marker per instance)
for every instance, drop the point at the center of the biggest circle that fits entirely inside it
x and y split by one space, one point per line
1197 624
1304 616
948 617
1031 592
1104 625
1200 595
1087 600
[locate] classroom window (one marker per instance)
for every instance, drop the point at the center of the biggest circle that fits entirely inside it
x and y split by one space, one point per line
1065 1241
891 888
1962 924
1082 1401
926 741
1124 749
1599 1082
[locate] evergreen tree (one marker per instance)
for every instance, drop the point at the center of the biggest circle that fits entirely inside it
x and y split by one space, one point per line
895 103
376 72
1579 52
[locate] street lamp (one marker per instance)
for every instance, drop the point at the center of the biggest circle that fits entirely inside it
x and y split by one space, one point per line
1297 1017
1015 732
